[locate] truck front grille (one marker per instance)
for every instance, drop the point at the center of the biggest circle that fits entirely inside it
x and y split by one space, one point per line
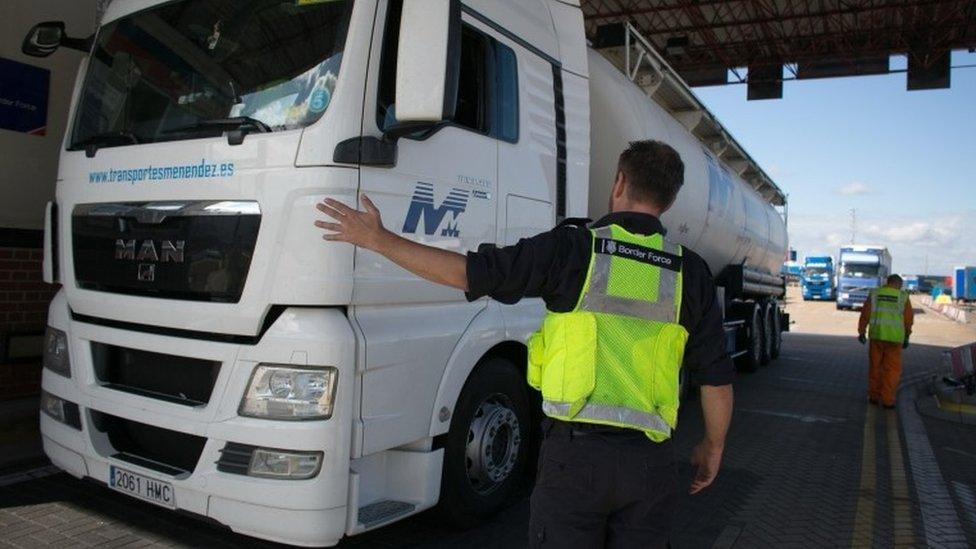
177 379
198 251
856 296
166 451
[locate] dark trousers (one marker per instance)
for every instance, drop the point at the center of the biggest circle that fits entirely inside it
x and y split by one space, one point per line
602 488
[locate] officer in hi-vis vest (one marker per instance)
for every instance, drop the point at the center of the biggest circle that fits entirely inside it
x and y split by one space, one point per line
627 309
888 312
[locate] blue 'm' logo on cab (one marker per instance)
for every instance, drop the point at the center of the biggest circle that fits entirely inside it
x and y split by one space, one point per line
422 206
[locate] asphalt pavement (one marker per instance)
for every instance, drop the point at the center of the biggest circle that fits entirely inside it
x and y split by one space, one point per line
808 464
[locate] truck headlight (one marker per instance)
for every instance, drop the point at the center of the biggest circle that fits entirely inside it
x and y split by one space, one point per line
284 465
290 392
56 352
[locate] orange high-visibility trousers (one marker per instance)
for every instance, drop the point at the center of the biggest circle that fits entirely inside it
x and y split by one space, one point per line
885 371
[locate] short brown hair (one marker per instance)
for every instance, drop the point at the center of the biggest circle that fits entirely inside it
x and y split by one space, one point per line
654 172
894 279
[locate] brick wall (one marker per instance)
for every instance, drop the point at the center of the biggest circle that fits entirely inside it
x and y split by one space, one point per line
24 300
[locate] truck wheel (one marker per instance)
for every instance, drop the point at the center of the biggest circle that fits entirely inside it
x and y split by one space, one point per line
776 333
766 310
749 361
486 449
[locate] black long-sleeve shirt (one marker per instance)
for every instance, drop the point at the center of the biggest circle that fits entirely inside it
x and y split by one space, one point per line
553 266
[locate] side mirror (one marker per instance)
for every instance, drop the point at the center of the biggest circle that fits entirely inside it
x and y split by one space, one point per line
44 39
428 62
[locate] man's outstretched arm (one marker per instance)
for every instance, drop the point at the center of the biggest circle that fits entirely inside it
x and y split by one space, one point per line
365 229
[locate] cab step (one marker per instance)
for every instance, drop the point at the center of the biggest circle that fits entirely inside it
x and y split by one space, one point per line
386 510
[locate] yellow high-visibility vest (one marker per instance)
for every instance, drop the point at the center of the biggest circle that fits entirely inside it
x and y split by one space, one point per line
887 321
615 358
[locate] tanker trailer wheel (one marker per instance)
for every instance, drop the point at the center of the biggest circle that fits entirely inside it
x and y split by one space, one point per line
752 342
767 308
486 449
776 334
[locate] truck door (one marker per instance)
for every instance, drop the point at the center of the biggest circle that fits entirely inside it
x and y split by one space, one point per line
441 192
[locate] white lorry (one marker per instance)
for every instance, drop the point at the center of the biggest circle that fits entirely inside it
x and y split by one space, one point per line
209 352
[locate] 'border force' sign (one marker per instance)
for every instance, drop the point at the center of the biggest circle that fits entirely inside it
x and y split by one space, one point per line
23 97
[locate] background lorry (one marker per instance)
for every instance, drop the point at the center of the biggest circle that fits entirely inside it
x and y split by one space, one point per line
817 281
964 284
927 284
208 352
860 269
911 283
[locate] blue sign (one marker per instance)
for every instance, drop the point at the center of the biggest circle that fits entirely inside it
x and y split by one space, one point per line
23 97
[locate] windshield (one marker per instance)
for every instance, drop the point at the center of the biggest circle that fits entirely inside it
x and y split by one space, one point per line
815 271
169 72
859 271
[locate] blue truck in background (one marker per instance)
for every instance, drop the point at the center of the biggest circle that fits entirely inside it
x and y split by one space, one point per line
817 280
860 268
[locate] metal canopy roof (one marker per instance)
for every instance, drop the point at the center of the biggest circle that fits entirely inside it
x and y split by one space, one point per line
702 39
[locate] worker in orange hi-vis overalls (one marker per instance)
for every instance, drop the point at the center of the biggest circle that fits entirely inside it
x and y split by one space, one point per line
887 317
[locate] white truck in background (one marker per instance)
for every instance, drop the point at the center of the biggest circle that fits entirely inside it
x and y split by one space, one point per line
860 269
209 352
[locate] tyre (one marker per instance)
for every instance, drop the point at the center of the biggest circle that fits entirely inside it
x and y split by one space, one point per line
486 449
766 310
776 333
753 341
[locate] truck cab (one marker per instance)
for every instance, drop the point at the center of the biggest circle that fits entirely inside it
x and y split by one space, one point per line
861 268
817 280
208 351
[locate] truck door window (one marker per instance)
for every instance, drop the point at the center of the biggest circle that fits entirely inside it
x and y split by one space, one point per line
472 97
506 124
487 100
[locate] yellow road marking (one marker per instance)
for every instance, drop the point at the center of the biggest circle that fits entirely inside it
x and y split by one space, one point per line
955 406
864 516
900 501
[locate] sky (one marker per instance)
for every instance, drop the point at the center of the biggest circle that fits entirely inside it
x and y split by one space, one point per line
904 161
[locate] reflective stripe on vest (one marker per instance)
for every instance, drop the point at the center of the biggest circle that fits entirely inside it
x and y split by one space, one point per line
597 298
609 414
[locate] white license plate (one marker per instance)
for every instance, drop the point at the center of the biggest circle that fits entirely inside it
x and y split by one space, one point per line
142 487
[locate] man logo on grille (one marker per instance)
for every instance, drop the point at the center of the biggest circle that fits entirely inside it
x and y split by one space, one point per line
146 272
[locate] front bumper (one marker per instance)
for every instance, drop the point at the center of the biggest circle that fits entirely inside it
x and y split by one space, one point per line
300 512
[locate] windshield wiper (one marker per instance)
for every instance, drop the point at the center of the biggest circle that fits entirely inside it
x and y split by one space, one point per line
116 138
237 127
